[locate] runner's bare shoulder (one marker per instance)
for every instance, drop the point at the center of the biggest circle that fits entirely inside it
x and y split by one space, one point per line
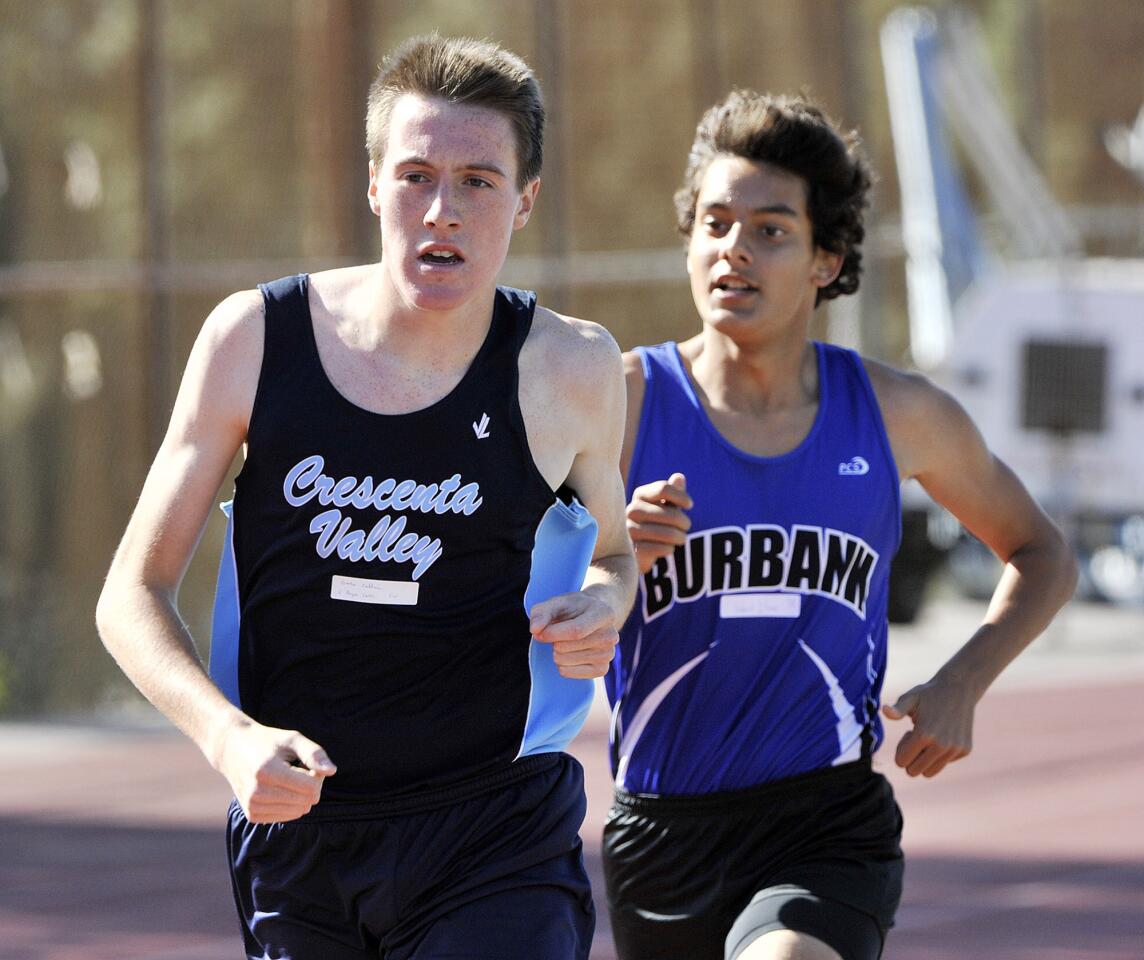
581 358
224 366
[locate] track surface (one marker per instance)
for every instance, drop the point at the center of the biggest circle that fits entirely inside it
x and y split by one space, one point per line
111 843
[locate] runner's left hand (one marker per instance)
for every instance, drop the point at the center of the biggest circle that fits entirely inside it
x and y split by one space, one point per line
942 732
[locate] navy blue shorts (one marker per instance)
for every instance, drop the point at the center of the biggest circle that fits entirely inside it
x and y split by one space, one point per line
488 870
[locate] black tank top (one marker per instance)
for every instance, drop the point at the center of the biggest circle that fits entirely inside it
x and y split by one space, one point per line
381 562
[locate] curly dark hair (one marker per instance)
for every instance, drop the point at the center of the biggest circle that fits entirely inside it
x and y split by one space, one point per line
796 135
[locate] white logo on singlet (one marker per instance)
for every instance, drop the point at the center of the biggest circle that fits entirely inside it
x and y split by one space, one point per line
763 559
388 540
481 428
854 467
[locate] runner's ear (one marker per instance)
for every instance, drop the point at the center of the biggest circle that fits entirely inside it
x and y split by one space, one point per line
526 202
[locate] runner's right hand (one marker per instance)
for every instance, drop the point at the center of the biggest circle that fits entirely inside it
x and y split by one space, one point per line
656 519
276 774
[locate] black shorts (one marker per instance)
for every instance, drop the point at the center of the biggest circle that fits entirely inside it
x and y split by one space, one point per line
489 870
701 877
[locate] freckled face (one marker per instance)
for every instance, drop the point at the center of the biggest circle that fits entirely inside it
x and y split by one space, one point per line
751 257
446 198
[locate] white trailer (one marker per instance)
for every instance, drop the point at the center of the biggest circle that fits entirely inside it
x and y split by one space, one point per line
1043 346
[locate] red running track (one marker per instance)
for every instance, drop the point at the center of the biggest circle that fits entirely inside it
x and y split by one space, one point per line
1031 849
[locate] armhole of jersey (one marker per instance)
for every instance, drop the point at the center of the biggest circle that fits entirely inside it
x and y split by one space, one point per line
884 437
645 406
222 664
300 289
516 413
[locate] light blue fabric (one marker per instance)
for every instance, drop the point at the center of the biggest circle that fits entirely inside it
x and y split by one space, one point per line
558 706
225 621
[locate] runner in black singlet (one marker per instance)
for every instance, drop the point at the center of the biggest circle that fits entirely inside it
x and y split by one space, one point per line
408 618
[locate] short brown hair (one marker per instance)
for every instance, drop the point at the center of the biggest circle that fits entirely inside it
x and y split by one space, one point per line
796 135
461 70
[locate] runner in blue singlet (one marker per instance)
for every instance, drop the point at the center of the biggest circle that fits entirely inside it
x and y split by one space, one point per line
762 472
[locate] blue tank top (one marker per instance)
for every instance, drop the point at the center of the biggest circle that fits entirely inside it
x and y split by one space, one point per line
377 572
757 650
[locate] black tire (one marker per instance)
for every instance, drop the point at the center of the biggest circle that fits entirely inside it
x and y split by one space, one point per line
907 591
911 568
